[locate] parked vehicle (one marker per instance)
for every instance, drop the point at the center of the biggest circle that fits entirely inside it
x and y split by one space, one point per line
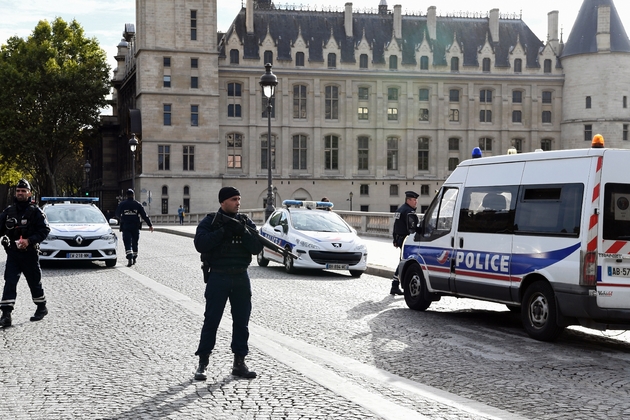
78 231
320 238
546 232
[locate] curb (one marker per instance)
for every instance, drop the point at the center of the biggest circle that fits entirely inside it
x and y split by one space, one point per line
373 270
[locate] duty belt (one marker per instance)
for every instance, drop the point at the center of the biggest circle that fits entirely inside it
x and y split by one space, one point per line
234 270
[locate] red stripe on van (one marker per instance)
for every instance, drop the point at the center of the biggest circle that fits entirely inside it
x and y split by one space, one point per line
592 222
592 245
616 247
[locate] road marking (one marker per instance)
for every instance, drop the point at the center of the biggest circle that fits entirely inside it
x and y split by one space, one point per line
290 351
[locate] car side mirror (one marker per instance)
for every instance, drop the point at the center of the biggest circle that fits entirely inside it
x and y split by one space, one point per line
113 222
412 222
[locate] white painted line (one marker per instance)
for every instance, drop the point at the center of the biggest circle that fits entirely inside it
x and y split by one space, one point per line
289 351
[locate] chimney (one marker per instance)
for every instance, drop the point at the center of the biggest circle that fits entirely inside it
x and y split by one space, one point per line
347 21
397 21
249 16
494 25
432 22
603 28
552 30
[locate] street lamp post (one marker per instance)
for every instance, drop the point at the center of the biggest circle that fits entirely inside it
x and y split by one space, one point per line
133 145
268 83
350 195
87 168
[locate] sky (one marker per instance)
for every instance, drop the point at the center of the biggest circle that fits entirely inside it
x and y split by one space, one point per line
105 19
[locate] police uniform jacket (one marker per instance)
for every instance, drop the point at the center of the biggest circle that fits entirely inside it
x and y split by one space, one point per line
400 224
129 213
25 220
222 246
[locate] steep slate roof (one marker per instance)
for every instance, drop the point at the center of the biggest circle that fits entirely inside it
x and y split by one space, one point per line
583 37
316 26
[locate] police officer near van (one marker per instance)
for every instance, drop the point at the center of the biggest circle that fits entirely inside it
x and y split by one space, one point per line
401 231
23 226
129 213
226 240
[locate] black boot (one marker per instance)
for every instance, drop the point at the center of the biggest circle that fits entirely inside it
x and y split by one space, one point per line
5 320
129 262
200 373
134 260
396 288
240 368
40 313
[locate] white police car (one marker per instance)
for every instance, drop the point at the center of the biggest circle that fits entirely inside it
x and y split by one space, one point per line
320 238
78 231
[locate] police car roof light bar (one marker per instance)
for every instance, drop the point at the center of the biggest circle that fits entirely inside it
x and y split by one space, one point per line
70 199
307 204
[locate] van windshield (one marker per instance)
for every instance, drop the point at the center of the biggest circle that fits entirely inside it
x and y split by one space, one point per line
616 213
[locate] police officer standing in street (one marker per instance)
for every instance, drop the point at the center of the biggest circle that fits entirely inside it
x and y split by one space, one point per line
226 246
129 213
401 231
23 226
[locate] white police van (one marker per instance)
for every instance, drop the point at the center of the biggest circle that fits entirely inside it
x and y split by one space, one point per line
546 232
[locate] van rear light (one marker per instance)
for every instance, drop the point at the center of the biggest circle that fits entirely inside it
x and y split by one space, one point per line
589 273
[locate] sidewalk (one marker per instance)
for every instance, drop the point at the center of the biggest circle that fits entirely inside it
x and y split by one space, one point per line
382 256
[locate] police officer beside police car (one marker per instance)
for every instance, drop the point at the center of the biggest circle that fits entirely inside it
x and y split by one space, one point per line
23 226
401 231
129 213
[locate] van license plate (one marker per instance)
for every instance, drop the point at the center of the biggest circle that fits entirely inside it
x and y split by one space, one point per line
619 271
337 266
78 255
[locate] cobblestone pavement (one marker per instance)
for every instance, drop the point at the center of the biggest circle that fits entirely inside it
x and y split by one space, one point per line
119 343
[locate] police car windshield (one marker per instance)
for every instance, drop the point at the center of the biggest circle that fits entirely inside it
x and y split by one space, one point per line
318 221
74 214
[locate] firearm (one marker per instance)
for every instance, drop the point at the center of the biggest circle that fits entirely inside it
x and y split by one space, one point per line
266 242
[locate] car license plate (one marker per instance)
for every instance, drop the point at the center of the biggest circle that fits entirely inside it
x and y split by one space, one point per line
78 255
619 271
337 266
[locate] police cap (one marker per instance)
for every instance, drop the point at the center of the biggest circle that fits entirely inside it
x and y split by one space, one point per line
411 194
22 183
130 192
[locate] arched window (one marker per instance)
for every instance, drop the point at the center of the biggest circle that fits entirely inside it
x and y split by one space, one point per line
299 59
393 62
547 66
332 60
164 190
363 61
486 65
518 65
424 63
186 190
233 56
268 57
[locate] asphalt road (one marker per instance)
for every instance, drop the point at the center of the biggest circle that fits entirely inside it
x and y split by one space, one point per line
119 343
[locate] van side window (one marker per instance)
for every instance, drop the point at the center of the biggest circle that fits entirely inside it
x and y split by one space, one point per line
617 212
438 219
488 209
553 210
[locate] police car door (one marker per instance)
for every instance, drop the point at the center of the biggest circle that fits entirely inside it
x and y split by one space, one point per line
433 245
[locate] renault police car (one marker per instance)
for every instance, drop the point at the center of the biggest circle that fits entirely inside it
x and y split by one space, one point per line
78 231
320 238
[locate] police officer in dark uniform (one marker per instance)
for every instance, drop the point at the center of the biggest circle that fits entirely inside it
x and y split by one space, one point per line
23 226
226 246
401 231
129 213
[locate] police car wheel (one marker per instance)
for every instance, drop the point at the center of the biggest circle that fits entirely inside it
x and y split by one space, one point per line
110 263
262 261
415 289
539 312
288 262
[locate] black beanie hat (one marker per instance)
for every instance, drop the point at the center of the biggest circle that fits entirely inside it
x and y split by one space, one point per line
227 192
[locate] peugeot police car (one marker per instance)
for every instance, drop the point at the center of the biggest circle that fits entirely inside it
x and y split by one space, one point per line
78 231
544 232
320 238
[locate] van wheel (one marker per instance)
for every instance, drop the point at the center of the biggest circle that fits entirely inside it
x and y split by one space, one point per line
262 261
539 312
356 273
288 262
415 289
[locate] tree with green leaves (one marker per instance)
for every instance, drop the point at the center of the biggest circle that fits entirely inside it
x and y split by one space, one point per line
54 84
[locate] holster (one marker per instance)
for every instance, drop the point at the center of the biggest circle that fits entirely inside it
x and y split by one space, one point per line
205 268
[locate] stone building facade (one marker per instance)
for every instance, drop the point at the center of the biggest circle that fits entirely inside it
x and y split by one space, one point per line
369 103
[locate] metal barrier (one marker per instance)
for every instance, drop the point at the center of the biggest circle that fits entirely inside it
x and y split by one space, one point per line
367 223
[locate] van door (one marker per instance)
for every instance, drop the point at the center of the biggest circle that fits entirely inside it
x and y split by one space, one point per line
433 245
483 242
613 280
